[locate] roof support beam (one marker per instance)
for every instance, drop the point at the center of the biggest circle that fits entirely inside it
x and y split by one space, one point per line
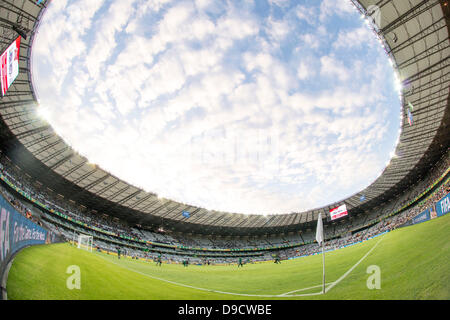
84 176
62 161
107 187
129 197
57 153
96 182
73 169
37 141
408 15
119 192
32 131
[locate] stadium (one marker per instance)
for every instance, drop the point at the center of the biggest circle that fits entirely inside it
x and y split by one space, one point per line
71 230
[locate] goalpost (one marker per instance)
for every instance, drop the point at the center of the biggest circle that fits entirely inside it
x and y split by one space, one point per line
85 242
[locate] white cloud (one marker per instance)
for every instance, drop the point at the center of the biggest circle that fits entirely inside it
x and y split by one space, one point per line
310 40
280 3
104 44
225 107
307 14
332 67
354 38
60 46
335 7
278 29
304 71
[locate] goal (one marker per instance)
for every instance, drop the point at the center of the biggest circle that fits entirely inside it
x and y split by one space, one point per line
85 242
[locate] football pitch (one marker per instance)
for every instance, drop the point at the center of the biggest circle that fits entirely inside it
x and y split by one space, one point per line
413 263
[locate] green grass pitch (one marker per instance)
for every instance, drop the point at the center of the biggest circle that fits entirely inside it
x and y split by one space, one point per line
414 264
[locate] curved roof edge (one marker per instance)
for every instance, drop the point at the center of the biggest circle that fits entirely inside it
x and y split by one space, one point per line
415 35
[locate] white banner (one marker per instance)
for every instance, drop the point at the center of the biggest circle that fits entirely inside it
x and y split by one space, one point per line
9 65
338 212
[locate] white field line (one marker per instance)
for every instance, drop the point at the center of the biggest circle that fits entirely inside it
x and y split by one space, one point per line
203 289
304 289
332 284
283 295
352 268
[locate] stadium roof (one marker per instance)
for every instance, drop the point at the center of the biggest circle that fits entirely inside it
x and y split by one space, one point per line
415 35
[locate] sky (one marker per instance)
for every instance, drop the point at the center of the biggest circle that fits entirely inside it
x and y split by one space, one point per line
252 106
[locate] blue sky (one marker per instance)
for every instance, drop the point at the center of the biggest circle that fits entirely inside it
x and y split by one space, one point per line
267 106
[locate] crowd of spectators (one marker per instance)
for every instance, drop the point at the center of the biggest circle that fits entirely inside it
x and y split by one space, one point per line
385 225
19 206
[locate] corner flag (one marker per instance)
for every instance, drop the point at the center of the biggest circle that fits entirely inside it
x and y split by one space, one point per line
319 239
319 231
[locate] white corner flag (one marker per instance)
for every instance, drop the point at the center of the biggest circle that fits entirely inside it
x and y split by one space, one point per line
319 231
319 239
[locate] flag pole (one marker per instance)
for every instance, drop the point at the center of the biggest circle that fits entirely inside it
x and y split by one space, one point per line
323 263
320 241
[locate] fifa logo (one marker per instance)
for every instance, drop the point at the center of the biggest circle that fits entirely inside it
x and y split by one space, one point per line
259 149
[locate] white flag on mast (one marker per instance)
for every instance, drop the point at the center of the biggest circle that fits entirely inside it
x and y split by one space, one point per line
319 231
9 66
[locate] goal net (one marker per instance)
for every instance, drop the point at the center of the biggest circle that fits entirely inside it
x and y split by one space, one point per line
85 242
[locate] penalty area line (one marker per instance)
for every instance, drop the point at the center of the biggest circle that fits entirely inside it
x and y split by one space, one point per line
334 283
211 290
283 295
304 289
327 289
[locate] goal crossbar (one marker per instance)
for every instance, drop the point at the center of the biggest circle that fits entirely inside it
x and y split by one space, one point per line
85 242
